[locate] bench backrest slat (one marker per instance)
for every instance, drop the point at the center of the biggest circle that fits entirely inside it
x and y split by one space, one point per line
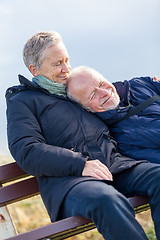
18 191
10 172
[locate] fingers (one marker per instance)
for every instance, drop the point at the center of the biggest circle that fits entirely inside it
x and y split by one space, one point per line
103 175
95 168
155 78
103 172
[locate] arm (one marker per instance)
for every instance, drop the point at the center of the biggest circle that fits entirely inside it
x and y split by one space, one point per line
29 148
146 85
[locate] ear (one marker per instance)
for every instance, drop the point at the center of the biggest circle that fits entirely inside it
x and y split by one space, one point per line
33 70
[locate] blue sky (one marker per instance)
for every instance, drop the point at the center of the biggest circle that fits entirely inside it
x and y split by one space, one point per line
119 38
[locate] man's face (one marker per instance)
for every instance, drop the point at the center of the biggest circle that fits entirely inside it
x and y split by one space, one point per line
55 64
96 93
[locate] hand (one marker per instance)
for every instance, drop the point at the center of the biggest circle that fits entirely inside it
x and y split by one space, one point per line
155 78
96 169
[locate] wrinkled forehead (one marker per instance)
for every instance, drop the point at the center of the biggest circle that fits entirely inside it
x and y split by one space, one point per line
96 78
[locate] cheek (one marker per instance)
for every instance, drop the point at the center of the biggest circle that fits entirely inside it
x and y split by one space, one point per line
95 105
54 71
69 68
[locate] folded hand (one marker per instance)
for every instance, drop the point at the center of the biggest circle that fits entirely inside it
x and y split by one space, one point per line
96 169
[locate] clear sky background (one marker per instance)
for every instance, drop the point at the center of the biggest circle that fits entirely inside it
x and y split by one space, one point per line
119 38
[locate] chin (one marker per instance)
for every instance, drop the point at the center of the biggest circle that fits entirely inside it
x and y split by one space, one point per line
113 105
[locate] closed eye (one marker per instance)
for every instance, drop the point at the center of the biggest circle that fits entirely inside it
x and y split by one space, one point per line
101 84
58 63
93 94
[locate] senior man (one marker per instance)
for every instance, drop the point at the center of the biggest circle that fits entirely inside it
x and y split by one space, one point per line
138 135
70 150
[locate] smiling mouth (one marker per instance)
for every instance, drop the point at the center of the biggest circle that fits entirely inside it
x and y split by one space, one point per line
106 99
64 77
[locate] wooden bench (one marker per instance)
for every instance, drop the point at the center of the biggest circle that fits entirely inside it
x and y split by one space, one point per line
27 187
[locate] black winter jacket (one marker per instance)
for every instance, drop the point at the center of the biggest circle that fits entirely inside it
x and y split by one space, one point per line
51 137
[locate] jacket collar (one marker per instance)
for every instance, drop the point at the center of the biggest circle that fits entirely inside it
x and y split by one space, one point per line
26 84
123 90
32 85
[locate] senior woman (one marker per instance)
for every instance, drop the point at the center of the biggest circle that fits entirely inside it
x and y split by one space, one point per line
70 150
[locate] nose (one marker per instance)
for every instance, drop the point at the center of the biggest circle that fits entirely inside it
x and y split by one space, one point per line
103 92
66 67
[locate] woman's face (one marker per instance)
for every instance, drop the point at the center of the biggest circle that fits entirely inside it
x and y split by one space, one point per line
55 64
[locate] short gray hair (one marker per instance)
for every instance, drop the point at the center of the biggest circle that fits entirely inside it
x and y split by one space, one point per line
33 52
81 70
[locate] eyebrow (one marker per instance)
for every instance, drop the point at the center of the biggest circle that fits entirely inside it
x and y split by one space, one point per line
58 59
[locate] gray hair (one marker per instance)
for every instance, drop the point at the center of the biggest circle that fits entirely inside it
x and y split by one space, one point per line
84 70
33 52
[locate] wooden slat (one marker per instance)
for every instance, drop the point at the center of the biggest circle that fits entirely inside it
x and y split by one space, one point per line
65 228
11 172
70 226
140 203
18 191
58 230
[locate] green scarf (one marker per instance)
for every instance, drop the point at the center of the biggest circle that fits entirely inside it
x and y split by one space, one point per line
51 86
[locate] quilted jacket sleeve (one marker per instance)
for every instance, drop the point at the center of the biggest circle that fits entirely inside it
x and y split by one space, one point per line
28 147
144 86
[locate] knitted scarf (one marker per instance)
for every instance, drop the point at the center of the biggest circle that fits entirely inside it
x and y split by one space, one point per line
51 86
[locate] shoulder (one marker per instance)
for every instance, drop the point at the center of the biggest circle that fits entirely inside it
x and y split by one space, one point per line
141 81
144 83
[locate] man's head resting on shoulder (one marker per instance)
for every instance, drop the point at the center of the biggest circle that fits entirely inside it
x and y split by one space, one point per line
89 88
